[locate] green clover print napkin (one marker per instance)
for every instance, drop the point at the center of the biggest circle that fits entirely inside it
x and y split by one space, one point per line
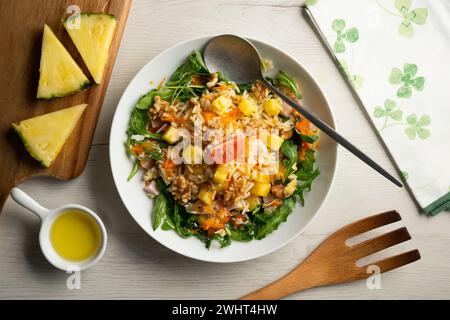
396 56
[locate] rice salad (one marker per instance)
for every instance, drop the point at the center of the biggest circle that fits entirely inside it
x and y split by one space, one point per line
222 161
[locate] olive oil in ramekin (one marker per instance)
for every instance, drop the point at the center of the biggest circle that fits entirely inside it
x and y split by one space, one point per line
75 235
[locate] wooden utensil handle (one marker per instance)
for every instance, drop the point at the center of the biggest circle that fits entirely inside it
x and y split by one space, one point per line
281 288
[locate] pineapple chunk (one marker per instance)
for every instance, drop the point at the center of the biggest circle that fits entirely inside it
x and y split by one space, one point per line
272 107
93 39
260 189
171 135
247 106
201 218
281 172
264 178
221 105
221 174
45 135
59 73
274 142
252 201
192 155
206 195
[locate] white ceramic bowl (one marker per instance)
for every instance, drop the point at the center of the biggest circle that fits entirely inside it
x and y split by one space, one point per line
140 206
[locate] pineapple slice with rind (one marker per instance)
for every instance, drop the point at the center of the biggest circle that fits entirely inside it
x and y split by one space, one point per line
45 135
59 73
93 37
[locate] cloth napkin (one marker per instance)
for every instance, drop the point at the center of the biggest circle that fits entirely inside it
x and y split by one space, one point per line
396 56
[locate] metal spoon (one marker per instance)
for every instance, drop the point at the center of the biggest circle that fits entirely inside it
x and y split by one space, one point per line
239 60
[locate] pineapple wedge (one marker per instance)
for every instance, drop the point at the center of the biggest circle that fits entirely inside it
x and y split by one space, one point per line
93 39
59 73
45 135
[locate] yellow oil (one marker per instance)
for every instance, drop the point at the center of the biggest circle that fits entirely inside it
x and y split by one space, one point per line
75 235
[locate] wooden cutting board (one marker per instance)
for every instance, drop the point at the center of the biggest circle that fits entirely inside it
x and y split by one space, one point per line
21 27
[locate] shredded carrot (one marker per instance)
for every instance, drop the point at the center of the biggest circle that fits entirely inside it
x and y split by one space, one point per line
171 118
304 127
137 149
224 86
208 209
276 203
215 222
224 213
212 223
169 164
233 114
302 151
208 115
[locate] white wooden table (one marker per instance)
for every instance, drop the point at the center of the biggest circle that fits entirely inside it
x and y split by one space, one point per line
135 266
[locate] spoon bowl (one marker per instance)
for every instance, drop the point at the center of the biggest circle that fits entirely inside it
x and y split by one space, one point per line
239 60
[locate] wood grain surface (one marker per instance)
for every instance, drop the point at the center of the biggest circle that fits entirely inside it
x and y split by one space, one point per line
21 25
137 267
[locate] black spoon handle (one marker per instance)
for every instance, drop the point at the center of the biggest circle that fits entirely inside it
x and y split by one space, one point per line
332 134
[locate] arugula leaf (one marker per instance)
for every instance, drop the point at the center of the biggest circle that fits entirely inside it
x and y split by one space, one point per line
224 241
159 210
138 126
307 174
155 155
289 149
179 218
305 186
309 139
134 170
223 77
245 87
146 101
306 167
162 187
284 79
283 118
271 80
180 82
197 63
182 72
273 220
245 234
138 122
194 64
168 224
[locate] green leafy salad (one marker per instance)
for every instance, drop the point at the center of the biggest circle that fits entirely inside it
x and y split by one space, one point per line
222 161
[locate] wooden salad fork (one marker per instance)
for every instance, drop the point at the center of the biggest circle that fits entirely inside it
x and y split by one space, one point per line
334 261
